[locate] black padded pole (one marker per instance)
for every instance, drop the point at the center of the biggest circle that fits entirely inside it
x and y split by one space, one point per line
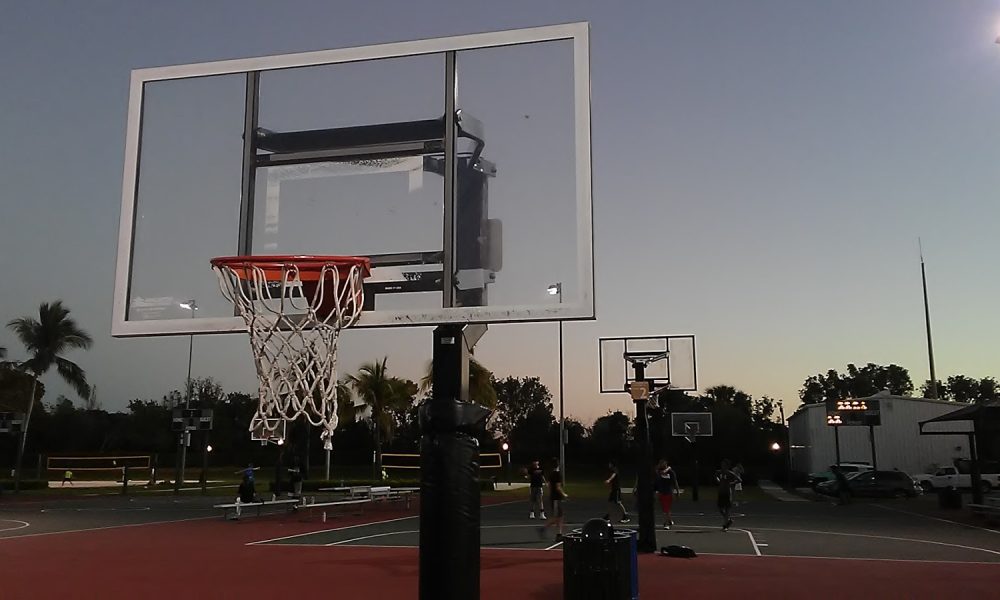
449 469
644 466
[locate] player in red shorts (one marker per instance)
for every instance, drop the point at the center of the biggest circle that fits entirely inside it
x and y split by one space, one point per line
666 487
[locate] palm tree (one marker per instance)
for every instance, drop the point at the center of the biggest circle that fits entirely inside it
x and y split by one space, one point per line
346 411
45 339
384 396
481 390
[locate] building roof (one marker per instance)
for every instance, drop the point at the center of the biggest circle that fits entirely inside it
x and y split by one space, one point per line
883 395
986 411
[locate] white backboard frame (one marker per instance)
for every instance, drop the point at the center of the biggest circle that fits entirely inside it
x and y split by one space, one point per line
581 307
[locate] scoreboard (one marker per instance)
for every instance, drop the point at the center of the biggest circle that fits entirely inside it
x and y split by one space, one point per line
853 411
193 419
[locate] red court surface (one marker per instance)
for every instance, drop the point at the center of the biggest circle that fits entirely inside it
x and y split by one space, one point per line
210 558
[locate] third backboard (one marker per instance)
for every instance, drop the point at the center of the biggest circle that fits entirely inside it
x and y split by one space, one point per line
461 166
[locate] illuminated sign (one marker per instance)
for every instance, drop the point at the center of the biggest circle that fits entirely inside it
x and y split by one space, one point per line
853 411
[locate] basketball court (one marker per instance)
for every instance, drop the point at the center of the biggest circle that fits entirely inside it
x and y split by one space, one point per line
780 549
290 197
762 529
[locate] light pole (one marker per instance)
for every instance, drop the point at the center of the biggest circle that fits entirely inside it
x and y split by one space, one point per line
204 466
506 448
788 438
556 290
191 305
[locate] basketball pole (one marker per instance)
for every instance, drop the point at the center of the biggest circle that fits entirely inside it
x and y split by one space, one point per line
644 483
562 413
449 468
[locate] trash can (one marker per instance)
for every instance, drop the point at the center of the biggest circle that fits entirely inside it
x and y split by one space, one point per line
600 563
950 498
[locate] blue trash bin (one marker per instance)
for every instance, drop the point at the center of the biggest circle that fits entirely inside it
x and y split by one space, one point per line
600 563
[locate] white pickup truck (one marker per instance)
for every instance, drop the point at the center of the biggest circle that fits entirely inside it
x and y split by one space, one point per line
945 477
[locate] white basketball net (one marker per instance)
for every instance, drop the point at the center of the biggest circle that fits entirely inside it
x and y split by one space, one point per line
294 337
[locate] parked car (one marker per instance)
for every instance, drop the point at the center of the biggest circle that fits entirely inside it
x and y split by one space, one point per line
848 468
953 477
891 484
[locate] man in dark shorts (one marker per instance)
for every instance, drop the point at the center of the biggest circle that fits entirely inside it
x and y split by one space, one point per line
557 496
615 493
536 485
727 481
666 487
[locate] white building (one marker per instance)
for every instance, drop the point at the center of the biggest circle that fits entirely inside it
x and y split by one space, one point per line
898 443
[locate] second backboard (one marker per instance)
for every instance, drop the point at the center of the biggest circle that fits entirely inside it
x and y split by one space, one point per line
675 364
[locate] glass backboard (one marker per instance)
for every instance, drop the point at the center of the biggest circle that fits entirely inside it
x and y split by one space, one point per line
461 166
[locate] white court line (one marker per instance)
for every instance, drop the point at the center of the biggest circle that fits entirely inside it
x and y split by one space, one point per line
757 546
289 537
401 532
396 546
297 535
22 525
902 560
125 509
881 537
368 537
27 535
915 514
753 542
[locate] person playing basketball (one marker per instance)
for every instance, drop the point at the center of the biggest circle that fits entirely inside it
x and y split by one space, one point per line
727 481
615 493
666 487
536 486
248 472
557 496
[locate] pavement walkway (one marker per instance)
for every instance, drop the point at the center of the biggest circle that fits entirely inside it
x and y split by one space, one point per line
777 492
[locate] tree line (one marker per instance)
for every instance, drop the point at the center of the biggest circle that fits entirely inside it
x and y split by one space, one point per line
872 378
379 411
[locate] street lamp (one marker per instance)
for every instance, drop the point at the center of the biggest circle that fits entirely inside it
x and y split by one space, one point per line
776 447
506 448
191 305
556 290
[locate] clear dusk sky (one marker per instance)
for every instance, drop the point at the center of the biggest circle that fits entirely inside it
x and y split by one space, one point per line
762 170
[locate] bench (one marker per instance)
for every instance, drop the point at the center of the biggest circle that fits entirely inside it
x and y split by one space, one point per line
237 507
352 492
381 493
387 494
311 506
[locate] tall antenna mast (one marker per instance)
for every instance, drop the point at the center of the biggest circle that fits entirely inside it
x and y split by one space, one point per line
927 320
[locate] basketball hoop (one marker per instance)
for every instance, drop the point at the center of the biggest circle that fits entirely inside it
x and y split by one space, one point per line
295 307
